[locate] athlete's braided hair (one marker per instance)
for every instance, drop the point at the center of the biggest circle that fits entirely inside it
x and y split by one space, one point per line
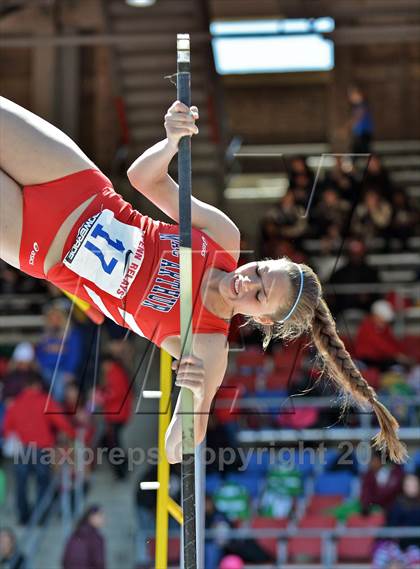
313 316
343 371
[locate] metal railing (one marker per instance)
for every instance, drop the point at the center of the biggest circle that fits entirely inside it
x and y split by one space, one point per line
329 538
57 497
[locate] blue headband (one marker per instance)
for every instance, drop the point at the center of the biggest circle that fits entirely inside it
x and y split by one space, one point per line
288 315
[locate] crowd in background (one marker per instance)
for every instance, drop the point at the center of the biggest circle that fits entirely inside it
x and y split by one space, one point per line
55 394
355 199
350 202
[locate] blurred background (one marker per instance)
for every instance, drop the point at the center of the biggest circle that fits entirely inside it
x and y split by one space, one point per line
310 140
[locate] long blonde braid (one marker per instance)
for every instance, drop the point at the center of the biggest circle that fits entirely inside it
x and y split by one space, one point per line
343 371
313 316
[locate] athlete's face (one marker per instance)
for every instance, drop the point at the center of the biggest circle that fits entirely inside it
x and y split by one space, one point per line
256 289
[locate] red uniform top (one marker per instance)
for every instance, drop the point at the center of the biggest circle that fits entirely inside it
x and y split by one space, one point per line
127 265
35 419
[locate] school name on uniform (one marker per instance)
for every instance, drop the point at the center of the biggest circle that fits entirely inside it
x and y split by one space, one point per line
165 291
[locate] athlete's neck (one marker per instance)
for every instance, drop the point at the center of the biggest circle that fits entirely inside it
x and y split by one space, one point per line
211 297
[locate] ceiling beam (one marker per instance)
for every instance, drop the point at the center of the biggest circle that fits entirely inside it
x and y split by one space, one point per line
340 9
146 41
364 35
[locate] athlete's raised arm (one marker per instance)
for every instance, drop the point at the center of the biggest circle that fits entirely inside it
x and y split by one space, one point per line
149 175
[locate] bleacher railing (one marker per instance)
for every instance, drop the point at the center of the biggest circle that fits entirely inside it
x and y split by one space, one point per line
59 495
328 538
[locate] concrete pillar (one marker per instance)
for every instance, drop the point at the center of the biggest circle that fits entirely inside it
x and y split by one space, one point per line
43 70
339 114
104 119
68 89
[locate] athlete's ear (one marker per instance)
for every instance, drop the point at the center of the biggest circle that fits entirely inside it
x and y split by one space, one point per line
265 320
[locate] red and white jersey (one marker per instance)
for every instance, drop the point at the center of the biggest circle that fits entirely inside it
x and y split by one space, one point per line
127 265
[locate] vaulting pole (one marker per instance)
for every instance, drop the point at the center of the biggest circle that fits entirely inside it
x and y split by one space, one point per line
187 402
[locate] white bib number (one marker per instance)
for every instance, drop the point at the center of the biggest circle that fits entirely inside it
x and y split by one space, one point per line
108 253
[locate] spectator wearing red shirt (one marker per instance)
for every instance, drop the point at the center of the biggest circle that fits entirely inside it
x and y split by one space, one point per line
117 403
376 344
381 484
33 420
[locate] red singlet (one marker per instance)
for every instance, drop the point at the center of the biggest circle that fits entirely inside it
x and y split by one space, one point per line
146 299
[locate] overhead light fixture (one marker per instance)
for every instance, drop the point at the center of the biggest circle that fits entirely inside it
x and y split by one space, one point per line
140 3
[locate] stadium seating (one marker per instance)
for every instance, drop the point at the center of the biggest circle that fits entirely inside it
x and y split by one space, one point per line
268 544
302 461
278 379
299 547
174 549
258 462
316 521
213 481
355 549
359 549
304 546
330 483
289 358
372 376
245 383
411 346
251 482
319 504
376 519
250 361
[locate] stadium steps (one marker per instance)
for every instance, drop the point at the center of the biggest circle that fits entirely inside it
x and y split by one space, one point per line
145 88
116 498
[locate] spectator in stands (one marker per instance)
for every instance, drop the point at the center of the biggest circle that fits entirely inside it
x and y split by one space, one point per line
231 562
269 235
10 556
222 428
76 411
271 243
13 282
33 420
331 210
389 556
372 216
117 403
355 271
80 418
9 279
86 545
405 511
59 351
214 548
381 484
288 216
405 218
287 248
341 177
22 367
361 121
376 344
376 176
301 178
